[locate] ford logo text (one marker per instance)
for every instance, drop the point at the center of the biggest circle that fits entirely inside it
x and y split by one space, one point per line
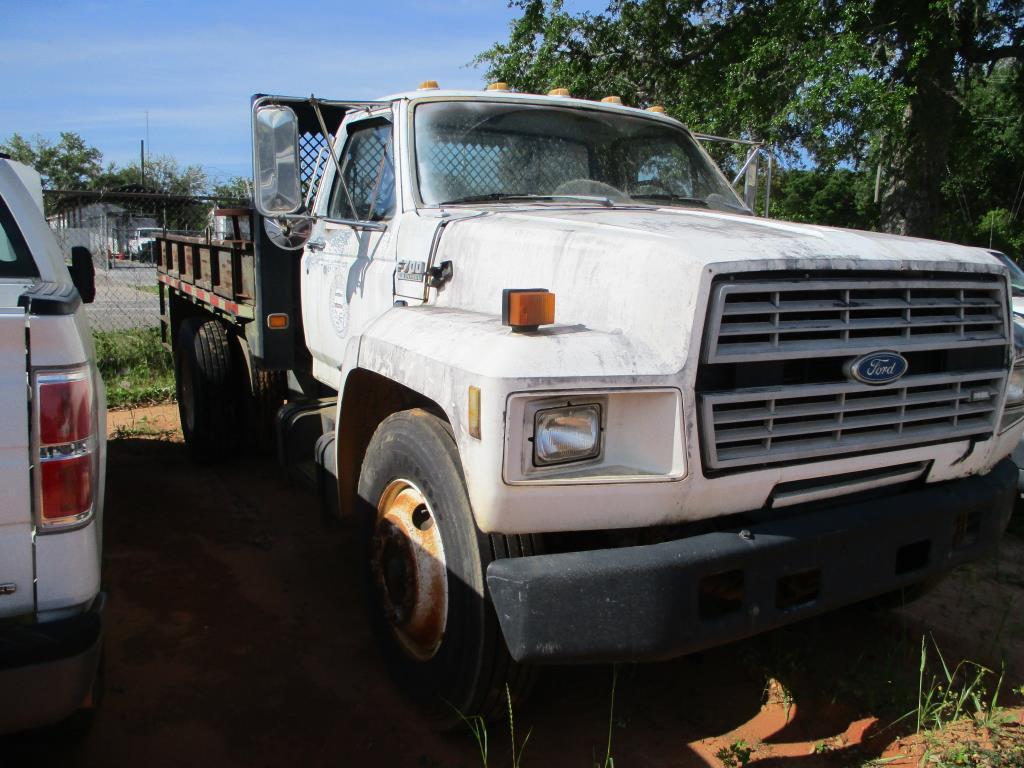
877 367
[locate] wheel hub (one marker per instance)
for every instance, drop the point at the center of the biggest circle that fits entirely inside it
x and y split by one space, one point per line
409 569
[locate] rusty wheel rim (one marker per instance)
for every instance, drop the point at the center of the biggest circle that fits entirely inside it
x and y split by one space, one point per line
409 569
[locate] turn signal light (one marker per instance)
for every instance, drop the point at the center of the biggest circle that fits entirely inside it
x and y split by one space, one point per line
277 321
527 309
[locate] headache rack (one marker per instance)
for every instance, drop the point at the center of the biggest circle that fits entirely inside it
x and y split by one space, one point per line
772 388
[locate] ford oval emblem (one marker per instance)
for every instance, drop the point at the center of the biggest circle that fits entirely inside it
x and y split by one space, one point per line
877 367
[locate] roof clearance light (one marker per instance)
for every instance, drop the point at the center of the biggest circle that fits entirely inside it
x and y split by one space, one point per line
559 92
497 87
527 309
611 100
657 108
428 85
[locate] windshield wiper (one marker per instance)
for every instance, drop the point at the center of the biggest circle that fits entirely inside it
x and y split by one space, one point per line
504 197
672 198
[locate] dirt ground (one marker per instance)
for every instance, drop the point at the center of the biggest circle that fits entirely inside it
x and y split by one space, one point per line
235 637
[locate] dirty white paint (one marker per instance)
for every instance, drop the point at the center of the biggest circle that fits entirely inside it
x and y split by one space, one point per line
631 288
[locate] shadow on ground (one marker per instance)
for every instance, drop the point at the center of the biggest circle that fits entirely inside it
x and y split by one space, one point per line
235 638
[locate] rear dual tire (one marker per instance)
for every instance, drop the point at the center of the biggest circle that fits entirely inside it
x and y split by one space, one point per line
425 564
217 400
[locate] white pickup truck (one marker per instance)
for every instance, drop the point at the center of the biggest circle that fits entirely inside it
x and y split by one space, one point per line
52 455
581 403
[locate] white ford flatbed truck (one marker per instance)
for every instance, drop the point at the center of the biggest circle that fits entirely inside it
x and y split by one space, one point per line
52 457
581 404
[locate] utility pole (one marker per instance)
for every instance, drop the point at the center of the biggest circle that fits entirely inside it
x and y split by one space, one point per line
142 161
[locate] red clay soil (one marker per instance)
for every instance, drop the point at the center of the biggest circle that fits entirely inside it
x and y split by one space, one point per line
235 637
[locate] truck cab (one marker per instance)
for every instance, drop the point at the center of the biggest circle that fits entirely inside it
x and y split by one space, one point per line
52 462
582 405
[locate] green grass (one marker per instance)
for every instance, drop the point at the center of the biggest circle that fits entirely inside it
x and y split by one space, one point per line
136 369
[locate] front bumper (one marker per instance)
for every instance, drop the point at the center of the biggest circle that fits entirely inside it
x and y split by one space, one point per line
47 670
663 600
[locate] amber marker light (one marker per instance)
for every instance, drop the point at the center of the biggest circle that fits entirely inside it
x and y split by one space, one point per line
526 309
277 321
657 109
558 92
474 412
428 85
497 87
611 100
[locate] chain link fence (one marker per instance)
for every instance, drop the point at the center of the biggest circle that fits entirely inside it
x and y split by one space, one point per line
119 229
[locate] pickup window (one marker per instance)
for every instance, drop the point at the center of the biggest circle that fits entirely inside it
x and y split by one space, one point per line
368 172
15 259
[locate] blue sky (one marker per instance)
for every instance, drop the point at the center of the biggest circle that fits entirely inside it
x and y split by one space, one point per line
95 67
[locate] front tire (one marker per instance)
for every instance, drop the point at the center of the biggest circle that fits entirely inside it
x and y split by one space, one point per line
425 562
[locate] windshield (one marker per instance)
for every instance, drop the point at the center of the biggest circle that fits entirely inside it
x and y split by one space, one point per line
1016 274
473 151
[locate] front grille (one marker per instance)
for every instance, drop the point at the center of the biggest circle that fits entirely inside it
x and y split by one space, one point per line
791 319
772 387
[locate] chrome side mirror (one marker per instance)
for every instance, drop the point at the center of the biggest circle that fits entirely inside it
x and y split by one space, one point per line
275 138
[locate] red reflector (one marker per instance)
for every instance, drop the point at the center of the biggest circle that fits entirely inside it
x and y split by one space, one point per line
65 411
66 486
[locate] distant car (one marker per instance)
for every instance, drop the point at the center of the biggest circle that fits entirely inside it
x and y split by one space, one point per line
52 463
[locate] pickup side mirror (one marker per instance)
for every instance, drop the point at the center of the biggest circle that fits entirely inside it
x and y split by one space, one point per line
275 139
83 273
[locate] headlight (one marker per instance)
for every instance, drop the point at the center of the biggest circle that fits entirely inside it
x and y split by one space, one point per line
561 435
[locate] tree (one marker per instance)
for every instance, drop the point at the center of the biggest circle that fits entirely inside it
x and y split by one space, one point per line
68 164
854 82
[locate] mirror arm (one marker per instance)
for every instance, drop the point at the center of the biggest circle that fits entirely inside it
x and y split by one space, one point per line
333 143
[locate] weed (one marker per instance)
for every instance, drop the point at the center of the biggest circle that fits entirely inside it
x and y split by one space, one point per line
135 367
735 755
516 757
821 748
609 761
478 727
956 694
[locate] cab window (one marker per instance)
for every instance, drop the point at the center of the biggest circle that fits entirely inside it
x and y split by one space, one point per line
15 260
368 175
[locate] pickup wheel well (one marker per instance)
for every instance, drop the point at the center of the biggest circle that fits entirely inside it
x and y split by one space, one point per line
367 399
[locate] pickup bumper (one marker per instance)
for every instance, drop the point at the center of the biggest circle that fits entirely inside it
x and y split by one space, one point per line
47 670
663 600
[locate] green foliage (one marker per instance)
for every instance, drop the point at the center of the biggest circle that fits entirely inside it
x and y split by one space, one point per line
735 755
951 695
839 198
73 164
136 368
163 174
68 164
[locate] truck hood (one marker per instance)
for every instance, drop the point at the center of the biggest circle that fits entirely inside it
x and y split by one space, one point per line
644 273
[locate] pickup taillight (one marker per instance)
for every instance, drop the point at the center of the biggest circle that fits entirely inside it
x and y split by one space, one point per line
65 428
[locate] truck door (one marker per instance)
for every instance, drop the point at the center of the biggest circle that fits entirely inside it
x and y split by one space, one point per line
347 271
16 572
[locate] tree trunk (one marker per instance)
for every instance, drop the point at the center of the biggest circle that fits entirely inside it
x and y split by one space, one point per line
920 157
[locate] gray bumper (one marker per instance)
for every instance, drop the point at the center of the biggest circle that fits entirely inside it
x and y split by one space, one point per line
47 670
664 600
